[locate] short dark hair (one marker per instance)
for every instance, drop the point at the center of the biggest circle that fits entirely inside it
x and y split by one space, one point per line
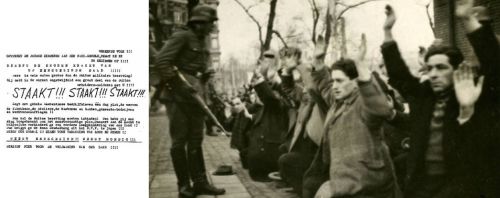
289 51
455 57
348 66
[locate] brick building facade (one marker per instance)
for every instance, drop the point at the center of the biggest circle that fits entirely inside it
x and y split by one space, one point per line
166 16
454 35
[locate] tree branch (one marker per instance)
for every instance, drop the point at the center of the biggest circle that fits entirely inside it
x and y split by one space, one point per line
315 14
280 37
431 23
348 7
342 3
259 27
251 6
330 12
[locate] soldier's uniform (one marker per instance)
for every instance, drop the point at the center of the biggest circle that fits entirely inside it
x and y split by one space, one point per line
185 52
188 53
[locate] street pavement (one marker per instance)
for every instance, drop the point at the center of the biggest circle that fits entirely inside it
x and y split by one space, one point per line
217 152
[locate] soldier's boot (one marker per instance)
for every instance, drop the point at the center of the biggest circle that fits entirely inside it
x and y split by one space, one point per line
198 172
179 161
186 191
204 188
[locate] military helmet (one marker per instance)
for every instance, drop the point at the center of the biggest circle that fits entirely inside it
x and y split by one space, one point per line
203 13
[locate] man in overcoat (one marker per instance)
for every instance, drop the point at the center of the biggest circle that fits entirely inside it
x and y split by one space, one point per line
353 158
454 135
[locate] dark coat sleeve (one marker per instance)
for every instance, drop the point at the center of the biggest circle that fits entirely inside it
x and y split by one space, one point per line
165 59
487 50
399 74
375 106
484 123
323 83
292 90
268 96
322 105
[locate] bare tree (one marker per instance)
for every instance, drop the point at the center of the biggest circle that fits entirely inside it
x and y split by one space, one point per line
281 38
430 20
315 15
259 26
334 17
265 42
270 24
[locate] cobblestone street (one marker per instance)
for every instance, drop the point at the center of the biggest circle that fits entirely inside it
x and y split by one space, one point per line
162 182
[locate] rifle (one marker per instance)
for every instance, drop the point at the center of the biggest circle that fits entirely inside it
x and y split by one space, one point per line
201 103
218 102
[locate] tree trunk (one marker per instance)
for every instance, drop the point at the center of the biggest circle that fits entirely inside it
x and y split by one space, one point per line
330 20
315 15
343 40
270 25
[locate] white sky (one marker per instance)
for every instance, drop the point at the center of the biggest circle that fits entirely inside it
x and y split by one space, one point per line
238 34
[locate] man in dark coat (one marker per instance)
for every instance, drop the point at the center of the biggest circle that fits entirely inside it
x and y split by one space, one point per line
269 123
185 53
239 123
306 125
451 155
480 164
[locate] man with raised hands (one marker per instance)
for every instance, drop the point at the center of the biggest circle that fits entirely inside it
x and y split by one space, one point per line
352 152
449 148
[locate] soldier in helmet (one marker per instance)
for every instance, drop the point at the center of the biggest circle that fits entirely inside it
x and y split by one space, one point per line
185 53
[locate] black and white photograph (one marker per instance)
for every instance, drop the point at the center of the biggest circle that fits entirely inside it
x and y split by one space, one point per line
250 99
324 98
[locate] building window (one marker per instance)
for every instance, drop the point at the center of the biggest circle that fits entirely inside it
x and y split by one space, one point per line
214 44
216 64
178 17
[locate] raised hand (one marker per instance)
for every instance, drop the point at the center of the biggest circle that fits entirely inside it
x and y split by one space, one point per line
466 91
247 114
390 19
289 63
257 76
362 48
272 76
468 15
319 53
228 110
464 8
364 73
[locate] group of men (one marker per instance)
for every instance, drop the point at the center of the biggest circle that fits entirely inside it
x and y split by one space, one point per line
324 128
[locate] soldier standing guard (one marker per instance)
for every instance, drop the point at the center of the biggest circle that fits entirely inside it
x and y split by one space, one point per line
185 53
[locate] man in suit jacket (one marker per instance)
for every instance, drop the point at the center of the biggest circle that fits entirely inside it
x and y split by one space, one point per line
352 154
